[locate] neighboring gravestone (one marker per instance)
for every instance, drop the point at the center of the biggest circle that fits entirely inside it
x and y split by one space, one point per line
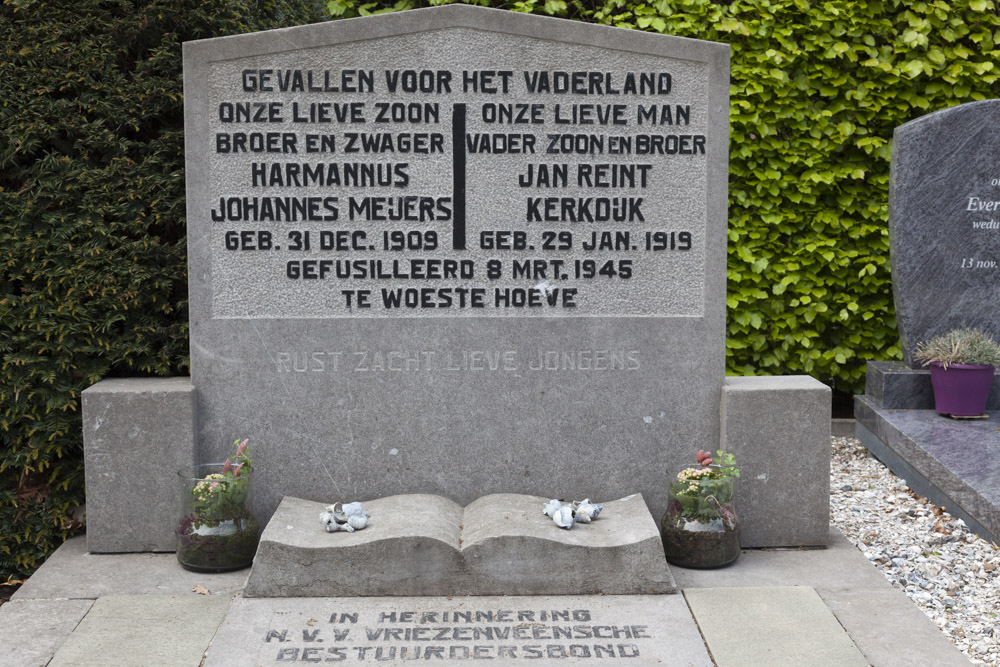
944 222
457 251
944 232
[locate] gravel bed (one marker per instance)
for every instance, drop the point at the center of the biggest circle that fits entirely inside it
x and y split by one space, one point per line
949 572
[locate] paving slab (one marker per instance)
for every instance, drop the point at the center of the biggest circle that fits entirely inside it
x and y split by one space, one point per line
540 630
888 628
144 631
500 544
73 573
788 625
884 624
32 630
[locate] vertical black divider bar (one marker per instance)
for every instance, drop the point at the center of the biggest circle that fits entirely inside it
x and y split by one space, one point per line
458 175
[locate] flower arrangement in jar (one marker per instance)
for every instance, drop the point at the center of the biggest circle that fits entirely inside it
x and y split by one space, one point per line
217 531
700 528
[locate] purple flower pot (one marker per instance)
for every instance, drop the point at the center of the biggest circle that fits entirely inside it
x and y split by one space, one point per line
962 389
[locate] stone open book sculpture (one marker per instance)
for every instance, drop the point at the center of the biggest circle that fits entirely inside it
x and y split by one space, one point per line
500 544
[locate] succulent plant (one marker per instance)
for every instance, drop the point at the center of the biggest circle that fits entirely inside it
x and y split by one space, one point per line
960 346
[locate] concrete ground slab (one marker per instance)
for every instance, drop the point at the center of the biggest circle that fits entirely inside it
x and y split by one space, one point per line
144 631
839 566
890 630
73 573
842 428
46 623
883 623
771 626
540 630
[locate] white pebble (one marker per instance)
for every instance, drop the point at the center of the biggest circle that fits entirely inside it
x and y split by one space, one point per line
953 576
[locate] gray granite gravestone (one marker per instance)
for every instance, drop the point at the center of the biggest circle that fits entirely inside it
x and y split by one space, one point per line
944 230
944 222
457 251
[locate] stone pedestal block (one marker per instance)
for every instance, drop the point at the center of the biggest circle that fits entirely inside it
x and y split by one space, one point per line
136 433
779 430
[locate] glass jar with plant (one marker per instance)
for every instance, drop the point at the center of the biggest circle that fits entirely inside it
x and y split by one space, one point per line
217 532
962 363
700 529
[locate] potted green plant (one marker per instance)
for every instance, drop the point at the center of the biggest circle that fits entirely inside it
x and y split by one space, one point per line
962 364
700 528
217 531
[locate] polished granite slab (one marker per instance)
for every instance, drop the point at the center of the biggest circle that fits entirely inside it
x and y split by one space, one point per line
955 463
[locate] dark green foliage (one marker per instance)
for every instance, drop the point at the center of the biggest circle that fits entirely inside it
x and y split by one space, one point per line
817 88
92 251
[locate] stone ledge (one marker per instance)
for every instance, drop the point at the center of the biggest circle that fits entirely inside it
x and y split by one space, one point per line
894 385
949 461
501 544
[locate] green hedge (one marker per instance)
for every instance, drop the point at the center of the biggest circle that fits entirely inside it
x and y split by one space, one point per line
816 91
92 247
91 193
